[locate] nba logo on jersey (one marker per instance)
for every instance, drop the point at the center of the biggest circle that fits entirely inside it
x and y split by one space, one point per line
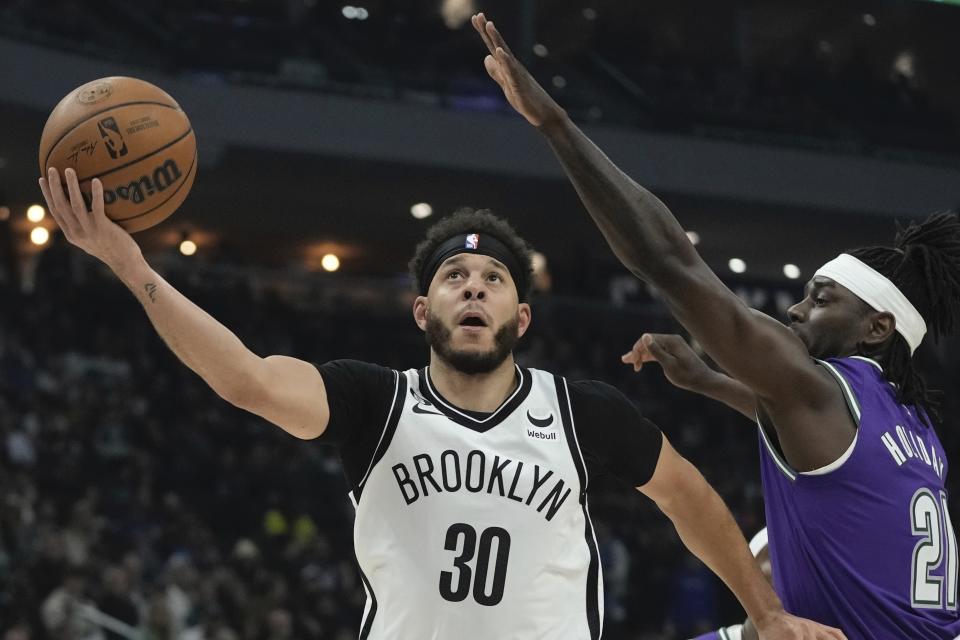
473 241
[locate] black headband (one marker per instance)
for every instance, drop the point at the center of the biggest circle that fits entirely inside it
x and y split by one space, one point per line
480 243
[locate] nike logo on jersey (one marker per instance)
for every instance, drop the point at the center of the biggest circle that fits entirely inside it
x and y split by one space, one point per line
419 409
422 404
541 423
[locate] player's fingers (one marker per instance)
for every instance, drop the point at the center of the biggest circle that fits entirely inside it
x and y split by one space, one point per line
632 358
496 38
68 221
493 69
820 631
479 22
77 203
52 209
97 214
507 67
656 349
46 196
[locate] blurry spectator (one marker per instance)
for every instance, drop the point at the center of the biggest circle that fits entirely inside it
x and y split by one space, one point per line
63 610
116 600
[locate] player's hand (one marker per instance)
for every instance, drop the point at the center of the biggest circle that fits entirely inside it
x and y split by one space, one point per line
683 367
522 92
91 230
783 626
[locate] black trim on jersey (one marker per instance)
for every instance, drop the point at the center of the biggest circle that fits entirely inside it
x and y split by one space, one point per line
365 632
481 425
593 573
389 428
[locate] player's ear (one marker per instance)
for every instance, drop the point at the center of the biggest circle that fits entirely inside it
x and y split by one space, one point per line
525 317
881 327
420 312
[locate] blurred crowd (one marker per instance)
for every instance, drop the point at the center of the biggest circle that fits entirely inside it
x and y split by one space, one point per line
128 489
837 77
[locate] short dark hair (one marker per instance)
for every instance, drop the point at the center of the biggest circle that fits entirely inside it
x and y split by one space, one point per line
482 221
924 264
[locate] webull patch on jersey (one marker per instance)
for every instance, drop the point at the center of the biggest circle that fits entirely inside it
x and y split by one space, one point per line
543 424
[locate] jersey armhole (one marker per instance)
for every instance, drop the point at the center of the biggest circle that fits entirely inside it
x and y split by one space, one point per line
852 405
386 433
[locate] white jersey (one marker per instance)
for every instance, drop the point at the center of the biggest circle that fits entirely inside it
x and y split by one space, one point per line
478 529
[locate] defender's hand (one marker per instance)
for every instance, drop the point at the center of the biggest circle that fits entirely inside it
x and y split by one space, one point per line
522 92
683 367
91 230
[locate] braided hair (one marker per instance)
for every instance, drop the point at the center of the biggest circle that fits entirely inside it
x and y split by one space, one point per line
924 264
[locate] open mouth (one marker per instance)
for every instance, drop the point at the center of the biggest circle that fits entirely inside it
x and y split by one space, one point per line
472 320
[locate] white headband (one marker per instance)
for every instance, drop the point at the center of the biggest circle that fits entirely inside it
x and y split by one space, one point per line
758 542
878 292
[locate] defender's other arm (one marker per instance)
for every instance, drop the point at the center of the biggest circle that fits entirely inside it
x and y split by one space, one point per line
686 370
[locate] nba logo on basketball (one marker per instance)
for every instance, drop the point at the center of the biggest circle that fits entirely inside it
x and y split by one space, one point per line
112 138
473 241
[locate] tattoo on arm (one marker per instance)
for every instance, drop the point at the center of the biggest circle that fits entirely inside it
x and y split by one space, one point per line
151 291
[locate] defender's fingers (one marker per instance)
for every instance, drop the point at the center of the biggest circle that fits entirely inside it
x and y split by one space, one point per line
496 38
479 23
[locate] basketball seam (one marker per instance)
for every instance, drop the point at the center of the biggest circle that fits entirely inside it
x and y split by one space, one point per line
46 160
136 160
172 195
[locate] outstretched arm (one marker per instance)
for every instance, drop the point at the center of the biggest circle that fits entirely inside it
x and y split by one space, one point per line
709 531
686 370
286 391
804 402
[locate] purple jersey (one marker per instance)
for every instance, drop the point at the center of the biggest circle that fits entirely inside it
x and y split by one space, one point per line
866 544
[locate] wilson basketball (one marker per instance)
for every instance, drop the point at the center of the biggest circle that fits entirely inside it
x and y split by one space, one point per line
131 135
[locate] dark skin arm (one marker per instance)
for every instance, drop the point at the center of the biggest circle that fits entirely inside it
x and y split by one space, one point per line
686 370
800 399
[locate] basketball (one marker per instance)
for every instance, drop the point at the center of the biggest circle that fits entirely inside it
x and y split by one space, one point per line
132 136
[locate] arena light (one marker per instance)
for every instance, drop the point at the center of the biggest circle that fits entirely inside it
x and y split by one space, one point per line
39 236
590 13
538 261
694 237
456 13
421 210
737 265
188 247
540 50
559 82
330 262
354 13
869 19
35 213
792 271
905 64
